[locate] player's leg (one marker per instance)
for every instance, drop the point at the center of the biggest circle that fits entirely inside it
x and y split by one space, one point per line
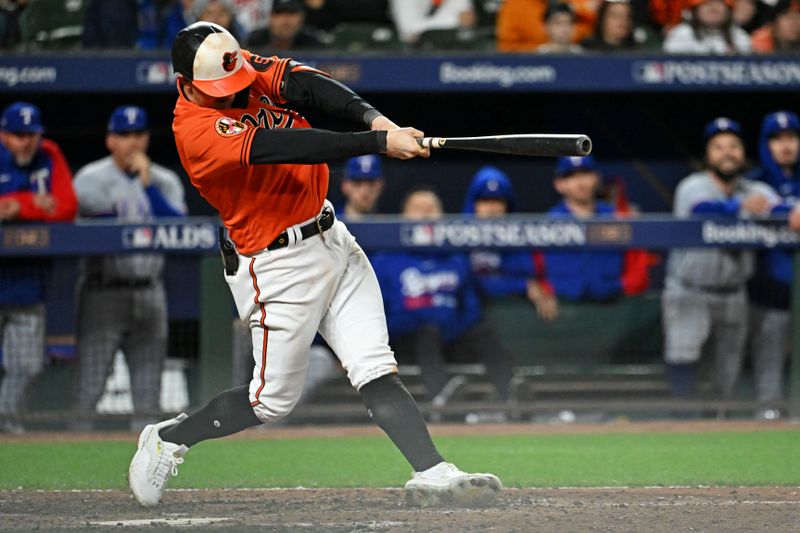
687 325
145 349
355 327
770 340
103 317
23 357
730 326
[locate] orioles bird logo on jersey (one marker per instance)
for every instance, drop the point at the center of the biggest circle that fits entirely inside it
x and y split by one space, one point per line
228 127
229 61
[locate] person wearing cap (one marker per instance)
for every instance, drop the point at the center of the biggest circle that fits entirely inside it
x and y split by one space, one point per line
433 310
362 185
770 287
35 186
121 299
499 274
285 30
579 276
705 288
292 267
709 30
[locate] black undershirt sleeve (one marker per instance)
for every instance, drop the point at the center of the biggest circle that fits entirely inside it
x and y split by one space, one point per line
310 146
321 92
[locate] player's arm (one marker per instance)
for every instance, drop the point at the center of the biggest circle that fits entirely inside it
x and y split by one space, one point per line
313 88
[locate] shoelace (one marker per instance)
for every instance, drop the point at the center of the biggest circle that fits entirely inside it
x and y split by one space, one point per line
167 465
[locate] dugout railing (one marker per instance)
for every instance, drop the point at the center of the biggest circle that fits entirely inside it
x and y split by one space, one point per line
620 383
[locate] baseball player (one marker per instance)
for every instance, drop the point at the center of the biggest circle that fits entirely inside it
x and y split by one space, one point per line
299 270
35 185
704 295
770 288
122 302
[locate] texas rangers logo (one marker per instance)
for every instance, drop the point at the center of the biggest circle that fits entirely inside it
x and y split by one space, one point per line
228 127
229 61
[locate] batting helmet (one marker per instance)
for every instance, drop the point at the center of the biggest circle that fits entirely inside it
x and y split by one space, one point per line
209 56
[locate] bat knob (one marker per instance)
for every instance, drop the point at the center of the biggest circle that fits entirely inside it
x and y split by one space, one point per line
584 145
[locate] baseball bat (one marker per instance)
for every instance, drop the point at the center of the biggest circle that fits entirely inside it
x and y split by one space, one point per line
520 144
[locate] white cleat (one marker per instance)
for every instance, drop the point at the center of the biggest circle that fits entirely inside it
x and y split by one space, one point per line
154 463
445 484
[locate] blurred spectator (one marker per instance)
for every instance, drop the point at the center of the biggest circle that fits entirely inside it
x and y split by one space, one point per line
362 185
251 14
770 288
121 299
521 27
709 30
499 274
747 14
560 23
186 12
704 296
782 35
616 32
10 11
597 276
286 30
35 185
412 18
326 14
433 311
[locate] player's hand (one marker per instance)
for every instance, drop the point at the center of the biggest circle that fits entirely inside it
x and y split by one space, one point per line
383 123
139 164
401 143
756 204
45 202
9 209
794 218
546 304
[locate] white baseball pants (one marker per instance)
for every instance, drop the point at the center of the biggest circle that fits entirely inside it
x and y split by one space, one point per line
323 283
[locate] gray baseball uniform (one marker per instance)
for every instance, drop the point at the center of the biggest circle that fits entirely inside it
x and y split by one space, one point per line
121 299
704 295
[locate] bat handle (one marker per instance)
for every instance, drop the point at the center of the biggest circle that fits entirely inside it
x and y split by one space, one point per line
431 142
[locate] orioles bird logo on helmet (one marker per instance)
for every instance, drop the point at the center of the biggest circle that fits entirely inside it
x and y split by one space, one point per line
229 61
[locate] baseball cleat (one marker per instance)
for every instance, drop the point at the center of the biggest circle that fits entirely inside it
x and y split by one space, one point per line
154 463
445 484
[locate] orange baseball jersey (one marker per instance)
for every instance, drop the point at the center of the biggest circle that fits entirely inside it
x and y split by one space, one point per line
256 202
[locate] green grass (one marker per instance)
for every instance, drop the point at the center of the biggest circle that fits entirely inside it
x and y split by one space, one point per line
729 458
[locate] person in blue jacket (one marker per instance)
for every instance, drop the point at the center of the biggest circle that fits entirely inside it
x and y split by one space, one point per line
35 186
770 288
598 276
433 310
511 273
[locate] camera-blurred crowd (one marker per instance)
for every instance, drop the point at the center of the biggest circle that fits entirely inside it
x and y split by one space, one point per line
525 26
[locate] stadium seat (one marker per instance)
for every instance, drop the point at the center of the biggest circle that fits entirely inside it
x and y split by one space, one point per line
359 36
52 24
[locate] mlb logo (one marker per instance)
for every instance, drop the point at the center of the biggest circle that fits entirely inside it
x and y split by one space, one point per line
422 235
138 238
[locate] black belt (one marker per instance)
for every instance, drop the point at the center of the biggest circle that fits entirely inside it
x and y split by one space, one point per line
132 283
324 222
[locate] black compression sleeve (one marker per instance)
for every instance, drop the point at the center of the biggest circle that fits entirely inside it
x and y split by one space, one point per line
309 146
318 91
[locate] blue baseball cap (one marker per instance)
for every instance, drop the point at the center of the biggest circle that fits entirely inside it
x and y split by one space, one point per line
127 118
722 125
364 167
780 121
22 117
568 165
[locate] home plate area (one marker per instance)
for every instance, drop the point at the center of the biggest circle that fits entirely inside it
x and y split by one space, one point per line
651 509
